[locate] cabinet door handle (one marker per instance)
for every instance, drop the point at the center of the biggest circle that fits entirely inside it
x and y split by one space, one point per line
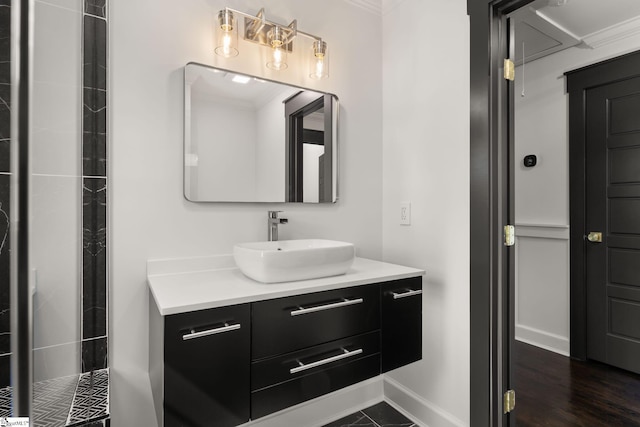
226 328
344 355
409 293
343 303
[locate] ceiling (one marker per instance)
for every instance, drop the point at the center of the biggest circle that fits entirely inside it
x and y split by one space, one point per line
548 26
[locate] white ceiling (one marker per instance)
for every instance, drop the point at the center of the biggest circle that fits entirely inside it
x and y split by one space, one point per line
548 26
585 17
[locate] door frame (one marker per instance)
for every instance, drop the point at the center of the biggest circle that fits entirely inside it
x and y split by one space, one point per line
490 110
491 291
578 81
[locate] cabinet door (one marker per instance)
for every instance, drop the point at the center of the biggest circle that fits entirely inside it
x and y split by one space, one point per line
401 322
292 323
207 366
284 381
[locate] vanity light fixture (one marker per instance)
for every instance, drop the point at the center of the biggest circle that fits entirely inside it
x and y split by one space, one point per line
226 34
279 38
319 60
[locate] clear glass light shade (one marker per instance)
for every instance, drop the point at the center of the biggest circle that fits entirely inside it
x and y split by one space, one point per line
278 60
319 60
226 35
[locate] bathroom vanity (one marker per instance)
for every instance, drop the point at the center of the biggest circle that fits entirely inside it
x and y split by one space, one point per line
224 349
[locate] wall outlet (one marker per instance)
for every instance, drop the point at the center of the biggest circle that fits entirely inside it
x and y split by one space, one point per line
405 213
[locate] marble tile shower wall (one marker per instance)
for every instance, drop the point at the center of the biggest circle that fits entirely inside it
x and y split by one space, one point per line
94 197
67 172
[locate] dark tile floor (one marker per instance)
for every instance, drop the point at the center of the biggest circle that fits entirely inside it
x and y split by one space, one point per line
378 415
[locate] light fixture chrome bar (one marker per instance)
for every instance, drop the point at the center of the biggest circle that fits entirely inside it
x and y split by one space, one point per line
257 26
279 38
253 26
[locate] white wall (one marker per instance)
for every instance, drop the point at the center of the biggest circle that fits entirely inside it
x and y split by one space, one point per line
542 194
214 123
150 42
426 162
270 151
542 287
311 169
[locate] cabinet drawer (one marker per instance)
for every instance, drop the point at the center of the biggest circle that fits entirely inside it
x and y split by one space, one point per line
207 367
401 327
316 383
288 324
268 372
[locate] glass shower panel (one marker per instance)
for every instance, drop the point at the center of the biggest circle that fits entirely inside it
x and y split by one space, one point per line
53 302
56 207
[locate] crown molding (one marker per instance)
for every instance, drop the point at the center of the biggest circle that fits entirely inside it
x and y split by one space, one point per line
373 6
614 33
377 7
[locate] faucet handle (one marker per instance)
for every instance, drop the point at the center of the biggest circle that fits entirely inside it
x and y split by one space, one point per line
273 214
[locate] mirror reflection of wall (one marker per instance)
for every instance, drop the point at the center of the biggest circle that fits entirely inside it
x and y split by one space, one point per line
236 139
313 156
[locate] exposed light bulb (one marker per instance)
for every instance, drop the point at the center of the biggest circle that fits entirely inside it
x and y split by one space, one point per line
319 60
226 44
227 38
319 66
277 56
278 60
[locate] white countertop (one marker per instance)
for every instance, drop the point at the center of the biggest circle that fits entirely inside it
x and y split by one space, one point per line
181 291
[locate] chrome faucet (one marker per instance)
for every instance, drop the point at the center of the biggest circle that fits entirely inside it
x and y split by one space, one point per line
272 225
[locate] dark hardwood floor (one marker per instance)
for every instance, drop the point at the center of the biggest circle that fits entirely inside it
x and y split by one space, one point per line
553 390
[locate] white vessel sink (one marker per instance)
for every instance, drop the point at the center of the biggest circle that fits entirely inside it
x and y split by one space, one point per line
289 260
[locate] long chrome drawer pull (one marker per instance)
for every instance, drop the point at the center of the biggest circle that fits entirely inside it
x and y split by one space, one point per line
344 355
193 334
406 294
343 303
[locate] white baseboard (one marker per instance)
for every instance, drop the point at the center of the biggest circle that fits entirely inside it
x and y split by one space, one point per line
552 342
325 409
417 408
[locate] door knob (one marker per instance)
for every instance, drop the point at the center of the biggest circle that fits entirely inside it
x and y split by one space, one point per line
595 237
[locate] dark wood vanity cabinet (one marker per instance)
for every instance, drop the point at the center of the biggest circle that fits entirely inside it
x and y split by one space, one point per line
401 329
287 324
206 367
222 367
309 345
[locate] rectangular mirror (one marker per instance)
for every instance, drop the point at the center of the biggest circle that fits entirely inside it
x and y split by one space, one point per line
251 140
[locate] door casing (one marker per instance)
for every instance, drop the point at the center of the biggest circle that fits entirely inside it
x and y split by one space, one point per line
491 315
489 341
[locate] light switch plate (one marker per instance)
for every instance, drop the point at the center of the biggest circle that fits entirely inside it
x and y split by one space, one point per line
405 213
